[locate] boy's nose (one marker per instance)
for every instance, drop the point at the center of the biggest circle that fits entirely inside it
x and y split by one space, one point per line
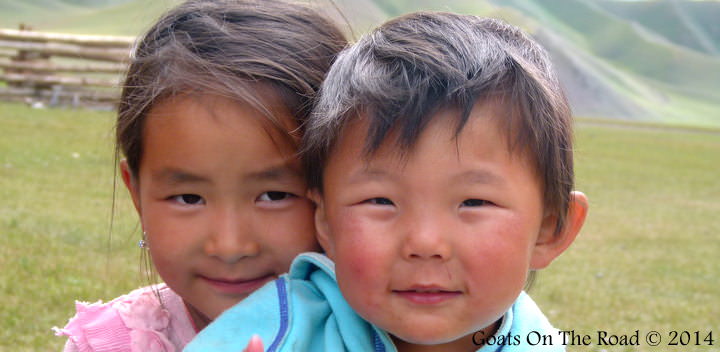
427 238
231 238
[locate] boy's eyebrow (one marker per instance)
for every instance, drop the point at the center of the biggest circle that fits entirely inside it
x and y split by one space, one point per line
367 174
470 176
480 176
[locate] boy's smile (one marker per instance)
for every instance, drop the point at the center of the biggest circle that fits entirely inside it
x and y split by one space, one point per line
435 244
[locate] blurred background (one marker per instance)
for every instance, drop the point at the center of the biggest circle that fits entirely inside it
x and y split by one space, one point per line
643 79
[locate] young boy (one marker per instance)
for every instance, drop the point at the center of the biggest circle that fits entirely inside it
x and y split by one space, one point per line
440 158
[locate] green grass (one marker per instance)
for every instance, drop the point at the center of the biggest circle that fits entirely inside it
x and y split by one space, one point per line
646 260
56 182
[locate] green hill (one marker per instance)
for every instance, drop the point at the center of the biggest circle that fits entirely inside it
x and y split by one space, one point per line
635 60
110 17
692 24
628 45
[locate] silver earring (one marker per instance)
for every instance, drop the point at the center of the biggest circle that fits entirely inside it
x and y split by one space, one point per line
143 243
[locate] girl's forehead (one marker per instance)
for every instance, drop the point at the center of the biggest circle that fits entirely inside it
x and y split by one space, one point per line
195 119
267 108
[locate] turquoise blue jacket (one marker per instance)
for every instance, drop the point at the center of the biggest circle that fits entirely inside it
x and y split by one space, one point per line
305 311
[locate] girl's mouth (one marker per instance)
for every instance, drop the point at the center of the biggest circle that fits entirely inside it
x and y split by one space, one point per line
237 286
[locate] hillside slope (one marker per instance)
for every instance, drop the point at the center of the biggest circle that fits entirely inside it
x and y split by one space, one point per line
641 60
627 45
692 24
110 17
616 68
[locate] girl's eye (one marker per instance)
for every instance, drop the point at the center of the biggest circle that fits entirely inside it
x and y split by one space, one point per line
274 196
188 199
379 201
474 202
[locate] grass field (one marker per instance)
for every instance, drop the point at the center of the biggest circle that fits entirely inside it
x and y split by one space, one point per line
646 260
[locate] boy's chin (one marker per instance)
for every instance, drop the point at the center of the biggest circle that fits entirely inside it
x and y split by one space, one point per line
430 337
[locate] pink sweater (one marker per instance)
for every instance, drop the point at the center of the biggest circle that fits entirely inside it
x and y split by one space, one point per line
133 322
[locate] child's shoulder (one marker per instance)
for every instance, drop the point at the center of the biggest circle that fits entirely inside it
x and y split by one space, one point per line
137 321
525 328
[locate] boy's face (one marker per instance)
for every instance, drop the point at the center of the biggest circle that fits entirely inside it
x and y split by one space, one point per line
437 246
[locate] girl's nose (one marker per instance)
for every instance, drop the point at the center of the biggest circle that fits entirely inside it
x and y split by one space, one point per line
231 238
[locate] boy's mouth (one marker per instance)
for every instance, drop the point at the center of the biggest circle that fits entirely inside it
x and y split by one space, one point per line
427 295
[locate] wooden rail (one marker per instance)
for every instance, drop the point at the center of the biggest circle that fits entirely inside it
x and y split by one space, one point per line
61 69
51 67
103 41
68 50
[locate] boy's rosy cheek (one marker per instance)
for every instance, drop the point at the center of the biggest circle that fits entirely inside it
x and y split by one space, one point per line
363 279
359 268
359 249
357 263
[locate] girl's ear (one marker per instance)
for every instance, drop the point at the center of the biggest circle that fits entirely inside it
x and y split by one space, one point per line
130 183
321 225
550 244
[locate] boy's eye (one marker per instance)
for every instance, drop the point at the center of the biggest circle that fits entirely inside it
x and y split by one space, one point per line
379 201
188 199
274 196
474 202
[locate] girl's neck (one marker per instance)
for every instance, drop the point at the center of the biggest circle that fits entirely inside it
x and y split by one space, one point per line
199 320
465 343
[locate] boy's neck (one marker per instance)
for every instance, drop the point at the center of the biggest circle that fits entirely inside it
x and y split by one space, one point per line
464 344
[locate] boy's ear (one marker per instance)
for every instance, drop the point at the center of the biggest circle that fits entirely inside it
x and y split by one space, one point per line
321 225
550 243
130 183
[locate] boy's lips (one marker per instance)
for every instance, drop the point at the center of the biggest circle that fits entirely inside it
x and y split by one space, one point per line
427 295
237 286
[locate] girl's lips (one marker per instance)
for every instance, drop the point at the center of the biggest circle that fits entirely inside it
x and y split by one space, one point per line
427 296
237 287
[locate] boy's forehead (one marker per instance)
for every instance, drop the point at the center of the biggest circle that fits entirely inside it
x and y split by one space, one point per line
365 125
362 126
478 155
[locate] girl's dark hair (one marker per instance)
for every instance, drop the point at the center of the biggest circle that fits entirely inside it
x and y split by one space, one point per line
398 76
229 48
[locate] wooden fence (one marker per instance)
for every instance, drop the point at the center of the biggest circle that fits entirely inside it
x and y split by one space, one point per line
51 69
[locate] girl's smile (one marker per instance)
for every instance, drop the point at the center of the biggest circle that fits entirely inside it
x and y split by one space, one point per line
238 286
222 198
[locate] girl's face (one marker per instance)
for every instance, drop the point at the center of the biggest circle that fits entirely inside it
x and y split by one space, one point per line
222 199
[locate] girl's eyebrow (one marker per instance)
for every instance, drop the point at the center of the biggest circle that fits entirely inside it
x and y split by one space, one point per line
177 176
279 172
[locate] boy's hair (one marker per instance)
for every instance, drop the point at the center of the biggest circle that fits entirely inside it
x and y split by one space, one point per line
402 73
229 48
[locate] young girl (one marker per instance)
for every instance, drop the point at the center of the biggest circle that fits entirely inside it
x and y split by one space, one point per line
208 124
